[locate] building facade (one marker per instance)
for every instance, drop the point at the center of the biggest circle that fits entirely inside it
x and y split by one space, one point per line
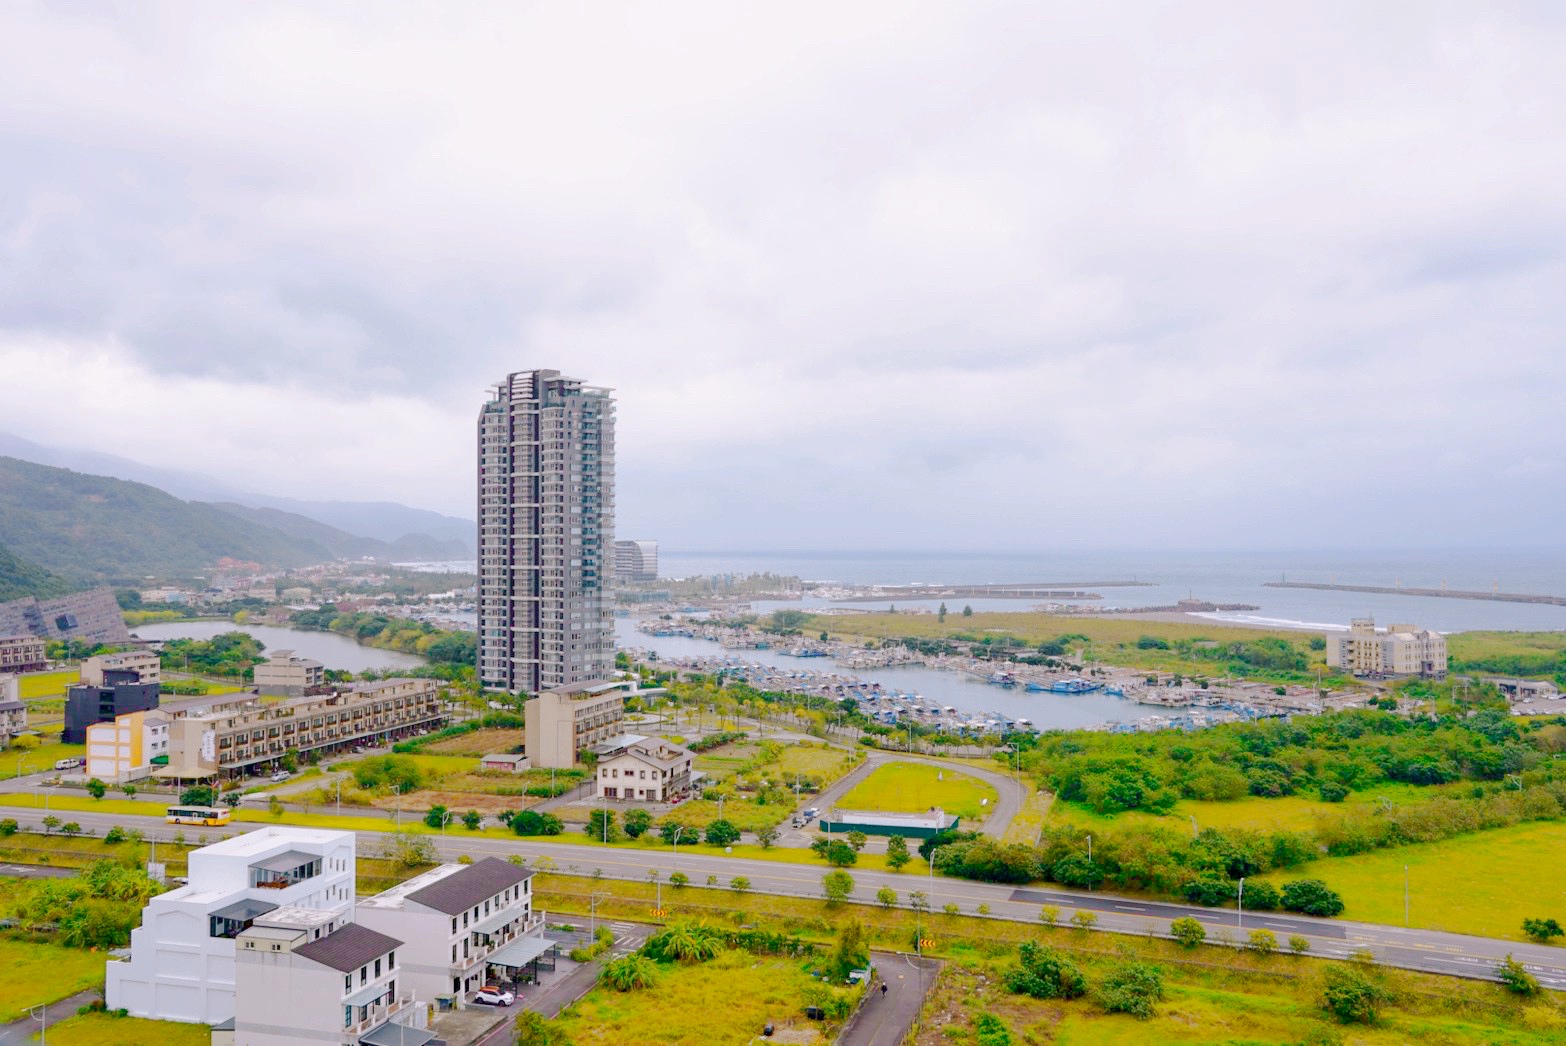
121 692
124 750
636 560
20 654
455 918
347 986
13 713
1400 650
285 673
645 769
181 966
238 739
91 617
545 533
144 663
566 721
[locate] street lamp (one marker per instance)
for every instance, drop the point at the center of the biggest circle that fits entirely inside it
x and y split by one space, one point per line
1239 904
678 831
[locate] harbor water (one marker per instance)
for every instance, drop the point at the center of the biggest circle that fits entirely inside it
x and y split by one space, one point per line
329 648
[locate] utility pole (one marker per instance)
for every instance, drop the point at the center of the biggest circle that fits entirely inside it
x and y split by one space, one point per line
1240 904
1405 895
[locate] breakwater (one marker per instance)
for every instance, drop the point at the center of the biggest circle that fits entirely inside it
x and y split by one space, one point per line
1443 593
1034 590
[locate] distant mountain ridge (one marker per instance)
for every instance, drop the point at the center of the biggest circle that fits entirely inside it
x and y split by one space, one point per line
61 529
409 533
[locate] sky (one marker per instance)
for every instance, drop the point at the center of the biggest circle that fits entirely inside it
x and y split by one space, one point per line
872 275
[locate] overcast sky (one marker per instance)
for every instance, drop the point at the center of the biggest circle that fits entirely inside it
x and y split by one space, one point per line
893 275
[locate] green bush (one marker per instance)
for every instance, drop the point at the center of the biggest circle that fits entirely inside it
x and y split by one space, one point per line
1132 987
531 822
1516 978
1311 897
1350 996
1045 973
1188 931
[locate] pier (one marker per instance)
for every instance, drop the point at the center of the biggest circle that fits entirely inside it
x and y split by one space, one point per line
1443 593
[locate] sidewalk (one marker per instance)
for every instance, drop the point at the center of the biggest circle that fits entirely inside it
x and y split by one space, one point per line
884 1020
25 1031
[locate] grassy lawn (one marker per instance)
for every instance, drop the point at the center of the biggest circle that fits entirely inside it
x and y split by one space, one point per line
36 974
726 1000
742 813
487 741
101 1029
828 763
916 787
34 759
48 684
1292 812
1029 822
1485 883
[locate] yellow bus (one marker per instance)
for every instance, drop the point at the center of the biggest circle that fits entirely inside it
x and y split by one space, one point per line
208 815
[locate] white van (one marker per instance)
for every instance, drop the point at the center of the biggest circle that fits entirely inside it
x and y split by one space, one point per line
70 763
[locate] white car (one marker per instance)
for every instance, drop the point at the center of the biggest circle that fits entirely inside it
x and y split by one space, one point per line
281 775
491 996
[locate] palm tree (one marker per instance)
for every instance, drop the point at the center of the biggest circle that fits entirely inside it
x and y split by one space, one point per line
629 972
689 942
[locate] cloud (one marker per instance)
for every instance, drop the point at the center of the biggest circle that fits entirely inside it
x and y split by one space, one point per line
915 275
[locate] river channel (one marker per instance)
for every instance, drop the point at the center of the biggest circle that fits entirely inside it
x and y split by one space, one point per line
329 648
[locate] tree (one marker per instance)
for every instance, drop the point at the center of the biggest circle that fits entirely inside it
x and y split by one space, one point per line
851 953
1352 997
1083 919
233 799
129 790
70 828
628 973
918 900
967 611
601 826
722 833
1261 896
25 742
407 849
1132 987
897 853
838 853
739 884
1311 897
8 827
1049 915
1262 942
637 822
857 840
768 836
1541 930
50 823
472 819
197 795
437 817
1045 973
96 788
940 614
1516 978
886 896
531 822
116 834
1299 945
684 941
1188 931
672 832
679 879
836 886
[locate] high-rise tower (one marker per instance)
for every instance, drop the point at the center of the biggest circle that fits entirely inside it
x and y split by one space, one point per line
545 533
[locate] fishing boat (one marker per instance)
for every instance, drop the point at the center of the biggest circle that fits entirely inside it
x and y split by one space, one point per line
1115 691
1072 686
1037 688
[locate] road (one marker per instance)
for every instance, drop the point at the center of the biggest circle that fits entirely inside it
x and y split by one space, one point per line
885 1017
1428 950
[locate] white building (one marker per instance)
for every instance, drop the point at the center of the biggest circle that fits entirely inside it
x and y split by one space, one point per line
458 920
182 956
297 985
286 673
13 713
123 750
1401 650
144 663
636 560
647 769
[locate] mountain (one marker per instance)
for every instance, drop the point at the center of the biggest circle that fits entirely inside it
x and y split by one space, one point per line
91 529
384 521
19 579
343 545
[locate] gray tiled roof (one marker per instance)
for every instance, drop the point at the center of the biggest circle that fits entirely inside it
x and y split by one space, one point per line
462 890
348 948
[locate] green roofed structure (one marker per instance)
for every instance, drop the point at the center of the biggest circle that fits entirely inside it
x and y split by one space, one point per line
871 822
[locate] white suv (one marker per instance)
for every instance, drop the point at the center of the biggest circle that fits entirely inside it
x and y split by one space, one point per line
490 995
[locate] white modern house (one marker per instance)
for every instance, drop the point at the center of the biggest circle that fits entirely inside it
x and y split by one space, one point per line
182 956
297 985
648 769
459 920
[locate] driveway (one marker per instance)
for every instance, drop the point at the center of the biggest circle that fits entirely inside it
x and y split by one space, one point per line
885 1018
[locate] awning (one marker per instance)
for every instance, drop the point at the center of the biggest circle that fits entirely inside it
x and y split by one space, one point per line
286 862
490 924
518 954
242 910
365 996
390 1034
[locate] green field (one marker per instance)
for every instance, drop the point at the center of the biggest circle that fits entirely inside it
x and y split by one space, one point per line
1290 812
36 974
102 1029
916 787
1484 883
32 760
48 684
726 1000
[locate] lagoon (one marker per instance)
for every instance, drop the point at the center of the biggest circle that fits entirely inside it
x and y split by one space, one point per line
329 648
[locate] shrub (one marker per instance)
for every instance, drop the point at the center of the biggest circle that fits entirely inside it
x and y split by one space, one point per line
1083 919
1045 973
1332 792
1261 896
96 788
1299 945
1210 891
897 853
637 822
600 825
1541 930
1350 996
886 896
1311 897
951 909
739 884
114 835
989 1030
472 819
679 879
836 886
1188 931
436 817
722 833
1516 978
70 828
628 973
1132 987
1262 942
1049 915
197 795
531 822
8 827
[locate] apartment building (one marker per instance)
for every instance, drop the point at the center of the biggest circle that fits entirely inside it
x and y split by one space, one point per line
285 673
647 769
120 693
125 750
144 663
13 713
20 654
459 922
636 560
568 720
545 533
245 738
1400 650
182 965
346 986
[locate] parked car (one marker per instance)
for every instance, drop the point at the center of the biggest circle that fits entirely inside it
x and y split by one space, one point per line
490 995
812 812
281 775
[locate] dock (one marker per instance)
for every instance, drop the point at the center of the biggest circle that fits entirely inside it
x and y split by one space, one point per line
1440 593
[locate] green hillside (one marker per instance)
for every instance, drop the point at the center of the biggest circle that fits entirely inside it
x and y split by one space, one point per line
18 579
95 529
343 544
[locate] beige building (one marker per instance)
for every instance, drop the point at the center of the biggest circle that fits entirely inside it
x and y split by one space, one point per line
13 713
243 739
571 719
1400 650
124 750
20 654
143 662
647 769
288 674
